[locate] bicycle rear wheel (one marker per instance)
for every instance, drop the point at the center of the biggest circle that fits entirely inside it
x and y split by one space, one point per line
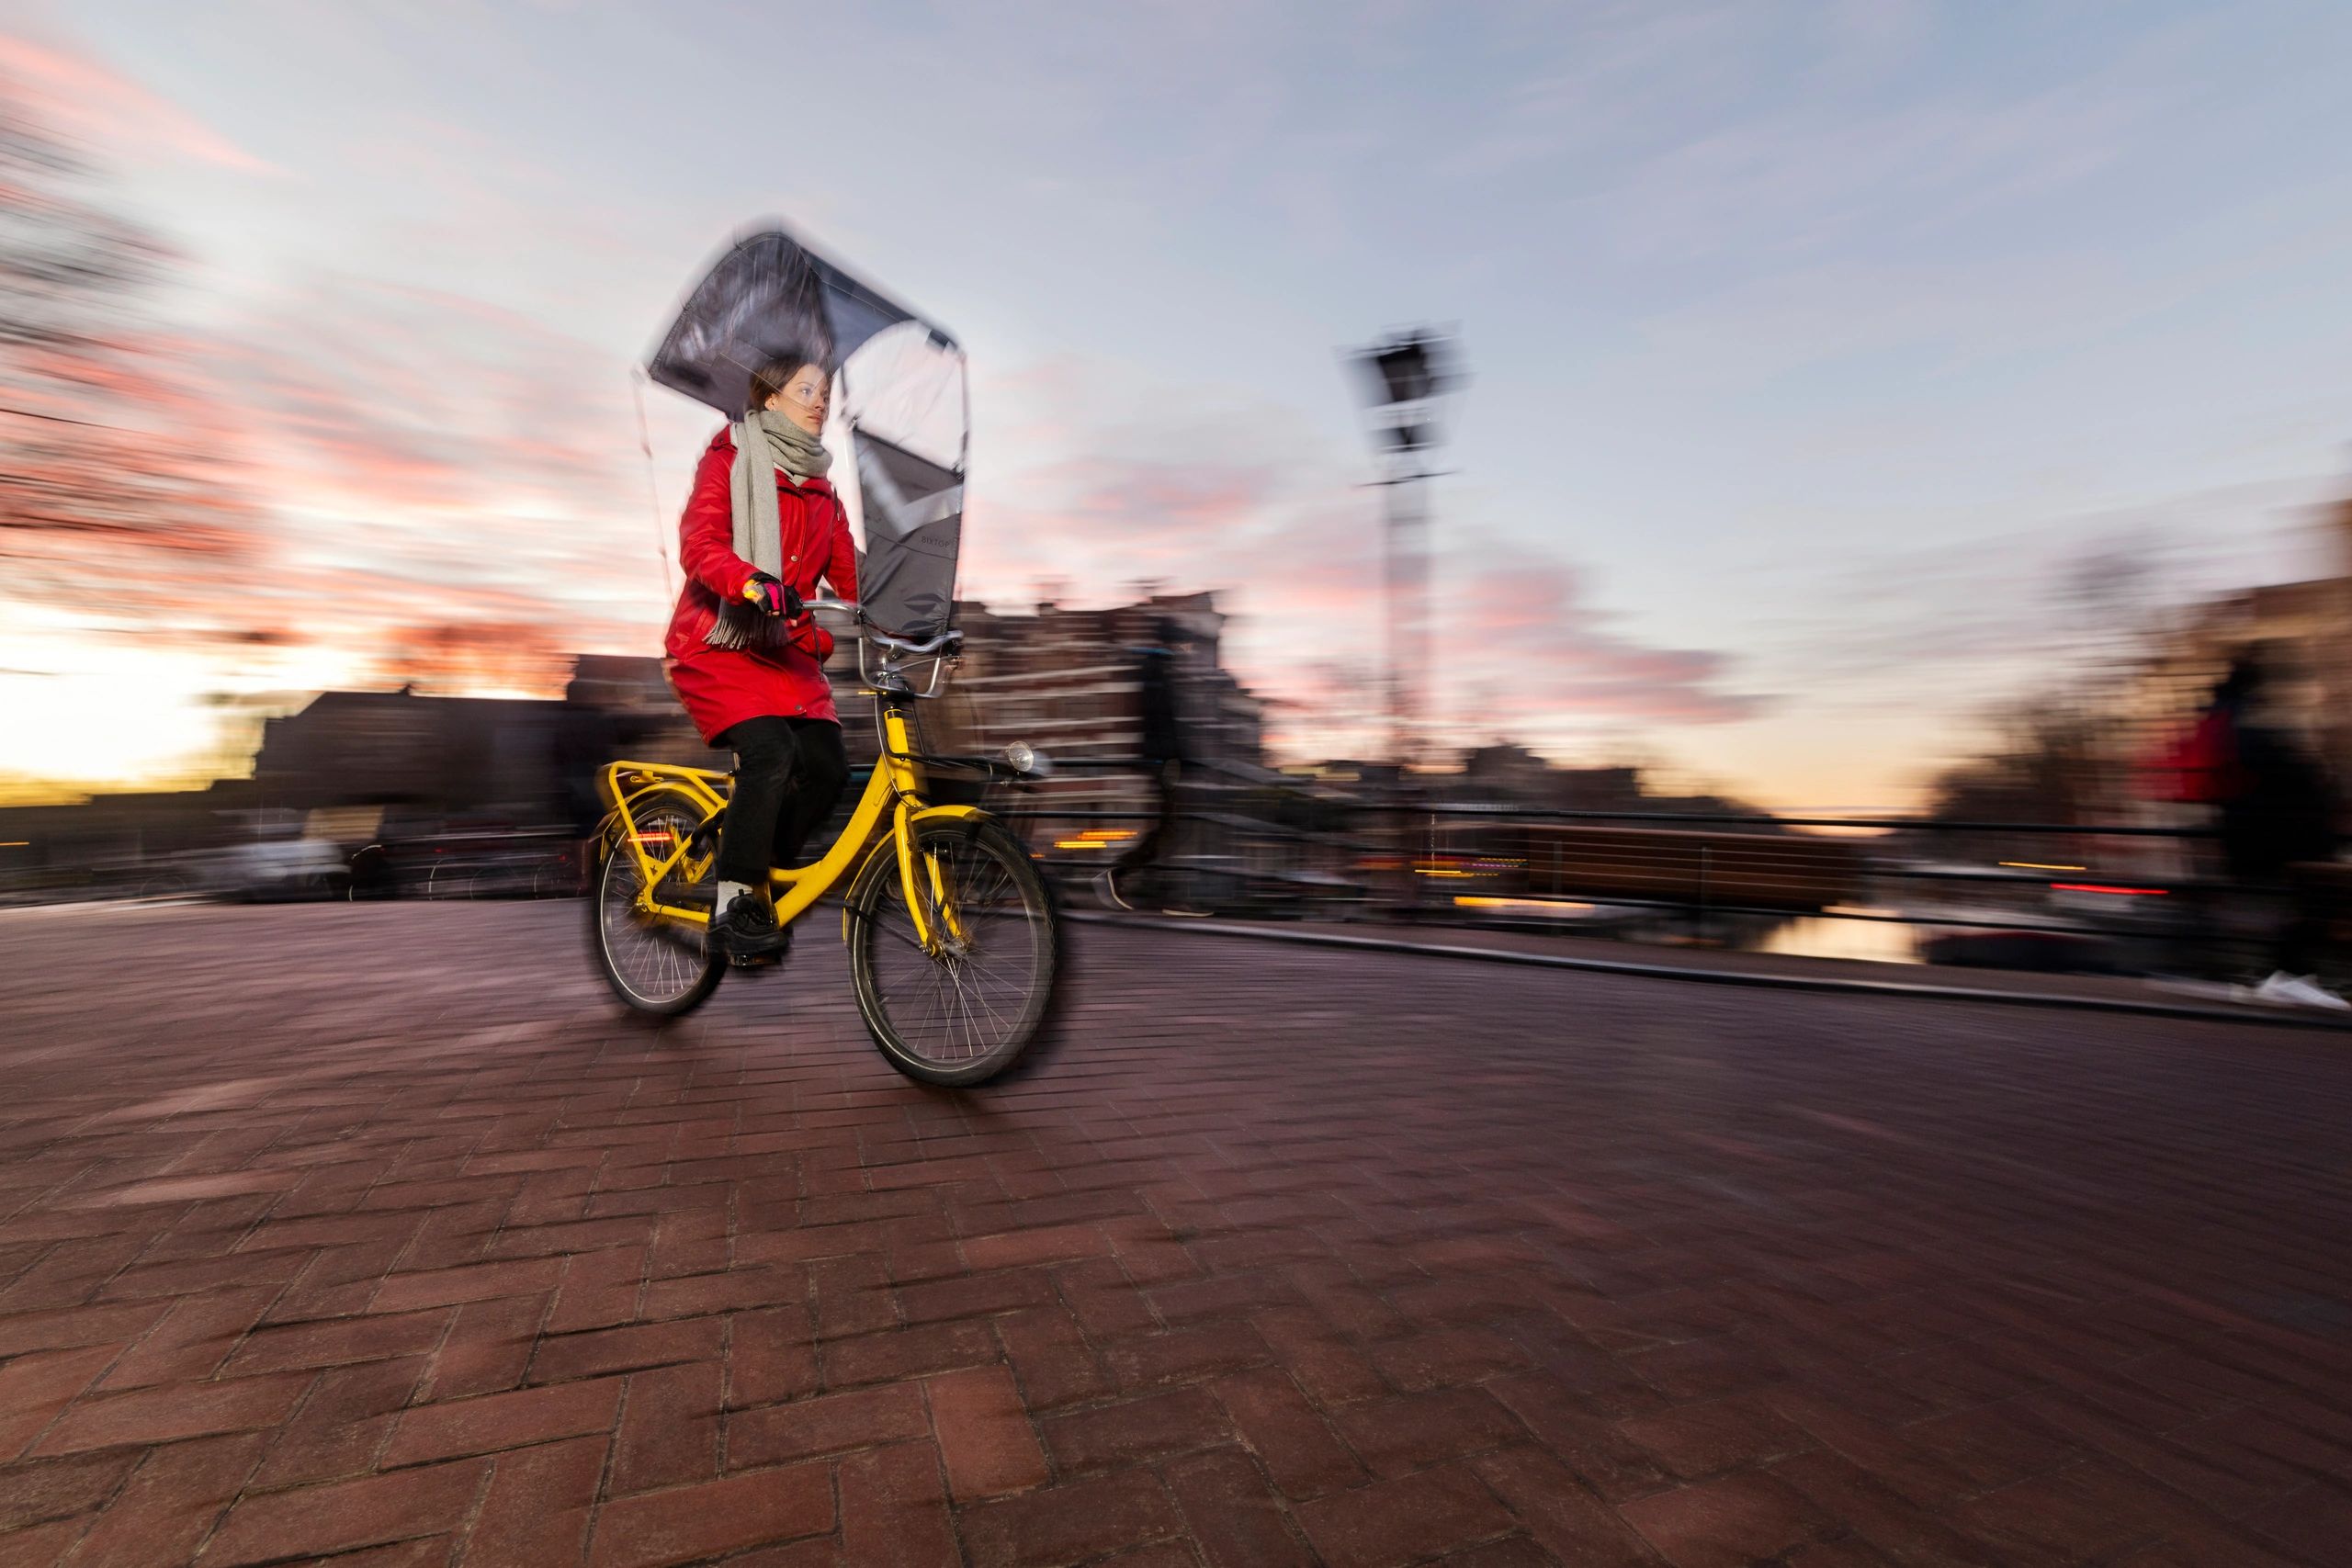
964 1014
655 965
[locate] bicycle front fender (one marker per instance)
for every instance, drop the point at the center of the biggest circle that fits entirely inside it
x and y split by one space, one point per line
882 860
947 813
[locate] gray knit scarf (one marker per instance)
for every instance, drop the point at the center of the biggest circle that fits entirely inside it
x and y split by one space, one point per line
765 442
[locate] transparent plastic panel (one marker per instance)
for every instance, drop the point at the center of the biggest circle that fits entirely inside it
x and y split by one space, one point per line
906 386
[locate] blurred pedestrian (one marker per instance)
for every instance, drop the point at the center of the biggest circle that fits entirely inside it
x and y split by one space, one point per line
1165 756
760 527
2275 809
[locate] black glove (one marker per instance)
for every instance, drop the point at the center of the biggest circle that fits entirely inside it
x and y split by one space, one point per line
773 598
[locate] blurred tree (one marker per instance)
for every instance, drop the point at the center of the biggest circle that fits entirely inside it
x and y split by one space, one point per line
117 498
2042 767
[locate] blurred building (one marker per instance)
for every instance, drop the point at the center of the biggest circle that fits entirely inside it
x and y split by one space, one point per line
1508 774
353 766
1070 681
104 844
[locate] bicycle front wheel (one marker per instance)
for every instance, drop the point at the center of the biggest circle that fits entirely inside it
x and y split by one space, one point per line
654 964
964 1010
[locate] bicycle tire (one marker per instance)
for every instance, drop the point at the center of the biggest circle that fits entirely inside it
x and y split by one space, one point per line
658 984
889 967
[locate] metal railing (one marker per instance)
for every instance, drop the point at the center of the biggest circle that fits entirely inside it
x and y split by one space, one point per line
1710 877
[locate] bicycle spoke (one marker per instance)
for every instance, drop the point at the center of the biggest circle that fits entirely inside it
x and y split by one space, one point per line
980 991
656 960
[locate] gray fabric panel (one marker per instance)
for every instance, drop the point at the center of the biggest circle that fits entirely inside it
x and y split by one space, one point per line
914 530
764 293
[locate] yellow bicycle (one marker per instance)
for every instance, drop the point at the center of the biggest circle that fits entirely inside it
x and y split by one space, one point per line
954 941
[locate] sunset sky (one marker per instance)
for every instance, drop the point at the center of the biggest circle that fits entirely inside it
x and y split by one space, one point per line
1817 347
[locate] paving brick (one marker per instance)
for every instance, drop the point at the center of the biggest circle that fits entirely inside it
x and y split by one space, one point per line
853 1296
906 1353
1882 1515
1450 1358
60 1489
1394 1436
488 1346
693 1295
1693 1440
1292 1440
1395 1522
40 1546
118 1324
34 1388
832 1423
1051 1357
1184 1355
470 1282
1233 1513
1511 1551
169 1411
192 1341
927 1172
531 1159
669 1430
1069 1523
1186 1302
1328 1367
984 1436
1685 1257
1736 1520
342 1424
686 1524
597 1354
318 1520
193 1276
1047 1244
770 1357
2314 1521
1132 1431
538 1510
975 1295
1104 1300
894 1508
1611 1464
600 1290
172 1501
338 1341
494 1421
1551 1500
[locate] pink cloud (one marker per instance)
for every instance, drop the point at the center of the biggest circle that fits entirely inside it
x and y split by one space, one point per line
78 95
1243 502
1529 622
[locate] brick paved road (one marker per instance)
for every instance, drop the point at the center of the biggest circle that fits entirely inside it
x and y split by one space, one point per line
373 1232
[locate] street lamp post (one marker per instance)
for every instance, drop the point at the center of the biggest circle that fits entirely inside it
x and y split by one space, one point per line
1406 380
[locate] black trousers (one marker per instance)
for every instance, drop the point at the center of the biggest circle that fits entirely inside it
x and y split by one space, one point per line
1152 843
788 773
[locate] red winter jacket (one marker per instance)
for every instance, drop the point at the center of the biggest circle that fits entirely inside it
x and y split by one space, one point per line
721 687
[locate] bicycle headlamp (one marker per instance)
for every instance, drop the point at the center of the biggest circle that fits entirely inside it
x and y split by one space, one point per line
1028 759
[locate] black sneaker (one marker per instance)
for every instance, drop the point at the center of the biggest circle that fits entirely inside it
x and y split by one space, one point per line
746 931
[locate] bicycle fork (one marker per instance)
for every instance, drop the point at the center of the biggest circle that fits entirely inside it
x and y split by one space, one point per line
935 942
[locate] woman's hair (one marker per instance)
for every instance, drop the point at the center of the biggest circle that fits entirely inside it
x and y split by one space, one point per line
770 378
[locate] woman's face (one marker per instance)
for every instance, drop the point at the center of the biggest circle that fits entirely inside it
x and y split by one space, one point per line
804 399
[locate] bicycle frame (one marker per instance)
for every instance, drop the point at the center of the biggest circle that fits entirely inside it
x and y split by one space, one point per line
894 792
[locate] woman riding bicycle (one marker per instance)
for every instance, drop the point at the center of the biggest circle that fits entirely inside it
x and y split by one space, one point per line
760 529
